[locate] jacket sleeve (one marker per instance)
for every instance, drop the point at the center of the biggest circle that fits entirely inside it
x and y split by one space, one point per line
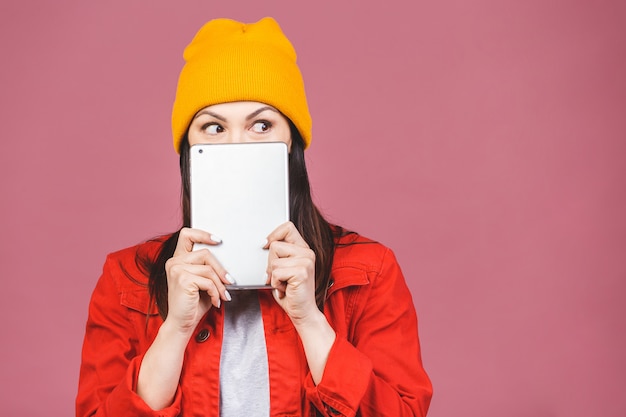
379 372
110 360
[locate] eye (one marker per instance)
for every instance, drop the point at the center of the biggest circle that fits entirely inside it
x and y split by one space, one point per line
261 126
212 129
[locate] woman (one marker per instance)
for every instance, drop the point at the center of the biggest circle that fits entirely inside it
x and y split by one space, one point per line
336 336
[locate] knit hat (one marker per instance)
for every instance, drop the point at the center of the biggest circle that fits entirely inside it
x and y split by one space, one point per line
232 61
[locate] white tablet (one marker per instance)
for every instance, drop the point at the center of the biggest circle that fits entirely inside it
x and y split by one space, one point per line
240 192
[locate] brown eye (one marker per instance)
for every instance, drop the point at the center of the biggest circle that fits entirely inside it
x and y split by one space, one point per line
261 126
212 129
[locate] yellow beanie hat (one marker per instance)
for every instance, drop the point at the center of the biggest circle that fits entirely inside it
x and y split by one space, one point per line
232 61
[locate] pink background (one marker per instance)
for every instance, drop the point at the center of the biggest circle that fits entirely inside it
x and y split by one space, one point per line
484 141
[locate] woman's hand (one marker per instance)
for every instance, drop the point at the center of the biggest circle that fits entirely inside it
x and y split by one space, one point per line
291 272
195 280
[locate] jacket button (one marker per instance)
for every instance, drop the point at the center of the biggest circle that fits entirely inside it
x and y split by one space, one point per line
202 335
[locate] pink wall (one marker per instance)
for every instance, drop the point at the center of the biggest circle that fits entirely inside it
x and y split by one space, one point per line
483 141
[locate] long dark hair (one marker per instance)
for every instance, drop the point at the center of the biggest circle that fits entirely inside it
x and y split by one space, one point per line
315 230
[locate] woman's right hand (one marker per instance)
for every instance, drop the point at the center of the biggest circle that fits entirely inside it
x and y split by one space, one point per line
195 279
195 282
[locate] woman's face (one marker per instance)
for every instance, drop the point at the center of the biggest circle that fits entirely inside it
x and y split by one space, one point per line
239 122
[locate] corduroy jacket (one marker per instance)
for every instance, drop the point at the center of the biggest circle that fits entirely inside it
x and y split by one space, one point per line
374 368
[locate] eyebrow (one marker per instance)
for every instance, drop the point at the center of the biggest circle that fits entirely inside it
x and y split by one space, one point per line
248 117
210 113
259 111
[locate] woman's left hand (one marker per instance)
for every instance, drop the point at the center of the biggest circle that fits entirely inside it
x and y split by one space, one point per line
291 272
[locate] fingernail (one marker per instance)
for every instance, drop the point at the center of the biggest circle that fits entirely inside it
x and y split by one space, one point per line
265 276
219 303
276 294
264 243
227 295
216 239
229 278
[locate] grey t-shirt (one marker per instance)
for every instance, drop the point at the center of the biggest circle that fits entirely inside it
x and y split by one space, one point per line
244 378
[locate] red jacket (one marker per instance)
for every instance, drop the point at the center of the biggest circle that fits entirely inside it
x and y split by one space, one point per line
373 369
